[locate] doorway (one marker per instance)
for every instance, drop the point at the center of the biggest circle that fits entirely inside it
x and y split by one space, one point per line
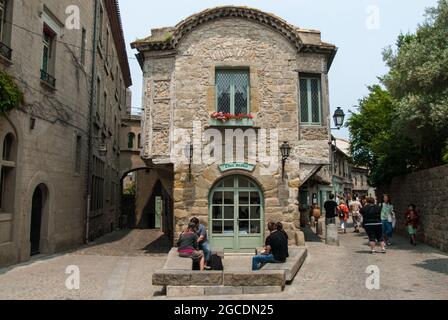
37 208
236 214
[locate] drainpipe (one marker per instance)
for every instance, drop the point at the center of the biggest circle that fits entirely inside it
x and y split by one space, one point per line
92 99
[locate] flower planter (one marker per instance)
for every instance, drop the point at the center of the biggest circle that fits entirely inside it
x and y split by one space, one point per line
232 123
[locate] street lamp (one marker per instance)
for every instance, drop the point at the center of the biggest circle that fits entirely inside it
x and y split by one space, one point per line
339 118
286 152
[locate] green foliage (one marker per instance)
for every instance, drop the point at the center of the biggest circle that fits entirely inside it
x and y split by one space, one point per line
376 143
418 80
403 127
130 190
10 94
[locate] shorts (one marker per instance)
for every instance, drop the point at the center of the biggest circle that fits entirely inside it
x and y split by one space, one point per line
375 232
412 231
196 256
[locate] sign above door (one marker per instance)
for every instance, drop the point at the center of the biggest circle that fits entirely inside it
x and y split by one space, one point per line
237 166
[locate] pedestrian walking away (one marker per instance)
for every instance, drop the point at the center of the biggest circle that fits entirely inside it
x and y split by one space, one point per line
372 224
355 207
343 215
387 218
330 210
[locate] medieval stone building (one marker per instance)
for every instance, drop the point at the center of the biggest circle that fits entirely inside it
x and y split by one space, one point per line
235 74
59 150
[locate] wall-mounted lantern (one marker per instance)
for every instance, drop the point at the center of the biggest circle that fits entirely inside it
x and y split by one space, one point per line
286 152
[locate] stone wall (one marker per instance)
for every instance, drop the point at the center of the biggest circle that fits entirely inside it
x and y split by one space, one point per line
428 190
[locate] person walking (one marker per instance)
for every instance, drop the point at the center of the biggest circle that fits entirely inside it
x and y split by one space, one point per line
355 207
343 215
372 224
412 223
387 218
330 210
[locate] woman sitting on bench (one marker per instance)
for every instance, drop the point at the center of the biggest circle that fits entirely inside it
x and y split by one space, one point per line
188 246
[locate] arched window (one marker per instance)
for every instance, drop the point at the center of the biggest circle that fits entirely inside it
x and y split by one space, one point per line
131 139
139 138
7 173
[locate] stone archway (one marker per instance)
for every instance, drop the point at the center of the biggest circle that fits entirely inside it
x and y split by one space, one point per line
39 215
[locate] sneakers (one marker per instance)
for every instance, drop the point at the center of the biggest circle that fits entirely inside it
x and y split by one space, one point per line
383 250
373 251
389 244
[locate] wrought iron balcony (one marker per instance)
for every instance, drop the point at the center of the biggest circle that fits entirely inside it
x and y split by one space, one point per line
48 79
5 51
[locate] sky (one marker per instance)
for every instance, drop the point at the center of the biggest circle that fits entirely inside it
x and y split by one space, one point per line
361 29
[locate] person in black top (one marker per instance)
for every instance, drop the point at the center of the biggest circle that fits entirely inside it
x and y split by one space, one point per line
371 214
276 249
330 210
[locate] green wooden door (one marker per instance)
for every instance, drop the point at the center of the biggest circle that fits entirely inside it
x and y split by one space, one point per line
236 215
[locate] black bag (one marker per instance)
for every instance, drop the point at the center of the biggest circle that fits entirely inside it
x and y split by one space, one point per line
216 263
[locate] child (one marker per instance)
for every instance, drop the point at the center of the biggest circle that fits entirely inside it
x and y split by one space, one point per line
412 221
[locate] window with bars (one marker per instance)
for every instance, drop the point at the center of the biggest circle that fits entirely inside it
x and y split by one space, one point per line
310 100
232 91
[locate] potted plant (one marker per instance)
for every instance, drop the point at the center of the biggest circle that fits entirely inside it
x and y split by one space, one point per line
228 119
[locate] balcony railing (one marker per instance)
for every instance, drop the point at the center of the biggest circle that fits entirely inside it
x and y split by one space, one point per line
48 79
5 51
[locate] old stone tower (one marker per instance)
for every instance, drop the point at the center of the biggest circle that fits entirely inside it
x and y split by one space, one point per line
241 77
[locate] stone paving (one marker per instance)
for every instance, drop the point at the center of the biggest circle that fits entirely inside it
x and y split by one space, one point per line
122 269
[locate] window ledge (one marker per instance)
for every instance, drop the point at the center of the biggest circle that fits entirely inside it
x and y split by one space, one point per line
7 62
48 86
232 123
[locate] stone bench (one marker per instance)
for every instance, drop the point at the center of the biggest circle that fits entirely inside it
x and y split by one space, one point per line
297 256
272 278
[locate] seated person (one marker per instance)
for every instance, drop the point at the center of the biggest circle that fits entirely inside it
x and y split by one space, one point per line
276 249
202 239
282 230
188 246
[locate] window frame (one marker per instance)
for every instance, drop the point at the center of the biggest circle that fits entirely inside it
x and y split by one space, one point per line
3 9
308 78
232 88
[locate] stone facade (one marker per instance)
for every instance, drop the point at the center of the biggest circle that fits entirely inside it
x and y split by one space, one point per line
426 189
48 174
179 66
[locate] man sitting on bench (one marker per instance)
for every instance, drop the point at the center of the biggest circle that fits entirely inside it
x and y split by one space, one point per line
276 249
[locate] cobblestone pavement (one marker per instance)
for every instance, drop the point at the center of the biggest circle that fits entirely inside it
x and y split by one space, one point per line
406 272
119 267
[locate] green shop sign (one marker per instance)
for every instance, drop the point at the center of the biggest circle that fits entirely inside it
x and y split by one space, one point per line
236 166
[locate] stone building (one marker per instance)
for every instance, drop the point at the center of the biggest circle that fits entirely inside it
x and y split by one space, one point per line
361 186
64 137
269 80
342 168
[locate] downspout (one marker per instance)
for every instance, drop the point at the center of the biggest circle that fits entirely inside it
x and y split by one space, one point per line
93 89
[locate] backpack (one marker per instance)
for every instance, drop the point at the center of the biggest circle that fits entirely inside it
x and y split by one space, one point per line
216 263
